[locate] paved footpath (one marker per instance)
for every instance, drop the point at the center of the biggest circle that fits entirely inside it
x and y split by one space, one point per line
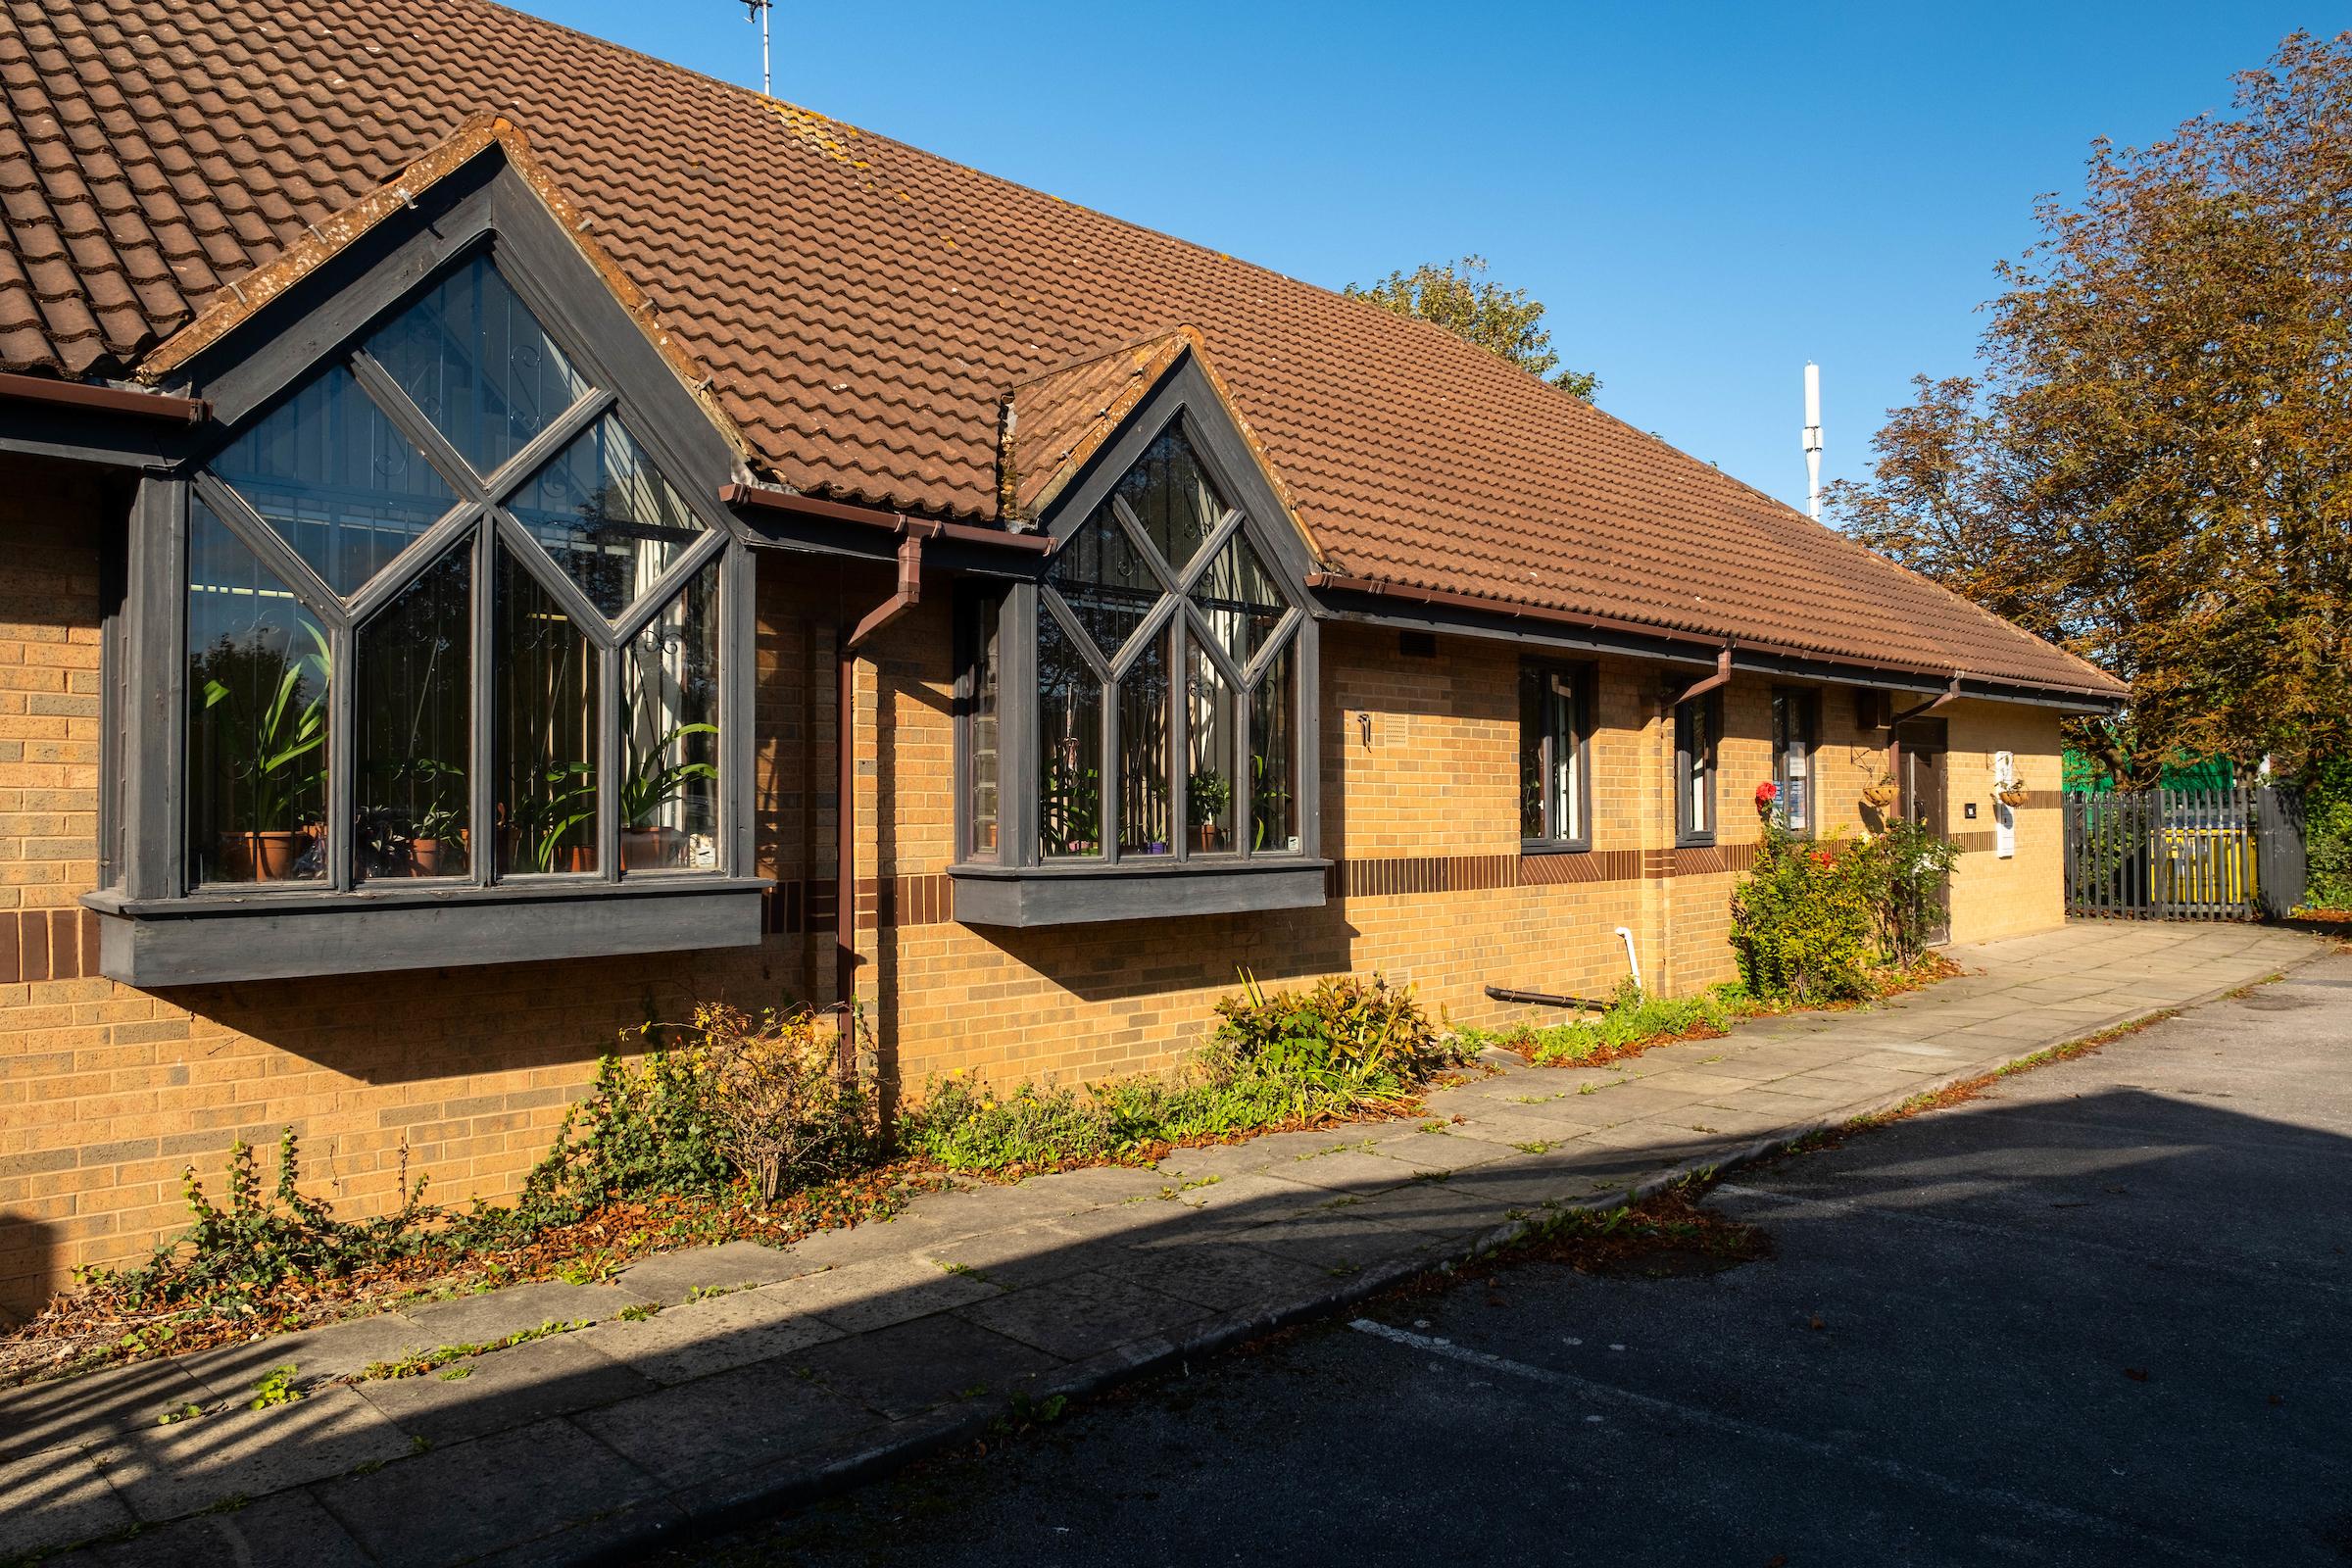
854 1350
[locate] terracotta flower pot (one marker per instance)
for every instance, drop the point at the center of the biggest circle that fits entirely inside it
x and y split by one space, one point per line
1210 837
261 856
436 858
652 849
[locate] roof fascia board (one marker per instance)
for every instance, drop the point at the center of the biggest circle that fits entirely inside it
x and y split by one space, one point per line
1501 627
93 435
1186 391
485 202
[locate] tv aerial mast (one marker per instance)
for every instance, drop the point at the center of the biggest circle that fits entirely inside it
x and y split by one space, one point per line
756 11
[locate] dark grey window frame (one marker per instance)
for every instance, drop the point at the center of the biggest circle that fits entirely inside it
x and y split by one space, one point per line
1582 678
165 932
1688 832
1804 700
1021 887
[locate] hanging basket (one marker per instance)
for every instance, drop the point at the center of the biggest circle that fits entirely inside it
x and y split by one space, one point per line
2012 796
1880 795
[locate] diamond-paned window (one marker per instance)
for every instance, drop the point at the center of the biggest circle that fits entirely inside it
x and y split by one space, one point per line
447 619
1166 701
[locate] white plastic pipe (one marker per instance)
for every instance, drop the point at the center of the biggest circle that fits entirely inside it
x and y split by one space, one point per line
1632 960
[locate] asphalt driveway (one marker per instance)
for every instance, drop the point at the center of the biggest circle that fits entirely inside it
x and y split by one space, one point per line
2101 1315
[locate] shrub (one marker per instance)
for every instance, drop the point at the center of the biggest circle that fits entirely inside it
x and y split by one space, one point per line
1801 921
229 1258
791 1107
1904 871
2328 834
644 1127
1342 1048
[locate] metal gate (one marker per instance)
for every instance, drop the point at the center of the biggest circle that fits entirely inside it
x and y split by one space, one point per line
2184 854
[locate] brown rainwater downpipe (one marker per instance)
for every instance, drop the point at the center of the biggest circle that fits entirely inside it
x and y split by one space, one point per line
910 593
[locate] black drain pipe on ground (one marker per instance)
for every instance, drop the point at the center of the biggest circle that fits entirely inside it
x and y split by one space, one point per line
1544 999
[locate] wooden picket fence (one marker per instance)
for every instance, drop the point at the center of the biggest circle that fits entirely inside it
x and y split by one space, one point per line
2184 854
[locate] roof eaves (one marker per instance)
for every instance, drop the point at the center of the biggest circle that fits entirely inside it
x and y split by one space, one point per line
481 133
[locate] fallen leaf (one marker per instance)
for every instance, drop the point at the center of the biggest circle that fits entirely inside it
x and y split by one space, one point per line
2136 1374
1817 1324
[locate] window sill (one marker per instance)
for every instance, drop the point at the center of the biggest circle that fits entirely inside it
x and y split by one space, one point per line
280 934
1555 847
1081 895
1694 841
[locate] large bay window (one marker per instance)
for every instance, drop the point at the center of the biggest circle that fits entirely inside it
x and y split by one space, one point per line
448 631
1164 765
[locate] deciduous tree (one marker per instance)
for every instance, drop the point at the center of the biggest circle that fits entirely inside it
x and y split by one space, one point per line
2154 465
1505 322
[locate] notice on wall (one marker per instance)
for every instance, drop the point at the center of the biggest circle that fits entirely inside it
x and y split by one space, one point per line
2004 832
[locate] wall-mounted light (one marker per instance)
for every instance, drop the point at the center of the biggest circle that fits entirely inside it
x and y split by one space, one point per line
1364 724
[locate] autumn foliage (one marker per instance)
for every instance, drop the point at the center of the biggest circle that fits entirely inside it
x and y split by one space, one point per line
2153 467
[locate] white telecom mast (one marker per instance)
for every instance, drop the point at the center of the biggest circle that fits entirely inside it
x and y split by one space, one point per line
1813 439
758 9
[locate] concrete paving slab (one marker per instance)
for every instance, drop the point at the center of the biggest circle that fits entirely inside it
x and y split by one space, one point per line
671 1277
1340 1242
503 1389
1450 1150
163 1472
909 1367
1220 1276
494 1315
1350 1170
695 1433
716 1334
1082 1315
1027 1254
864 1296
317 1356
458 1503
66 1410
286 1530
53 1499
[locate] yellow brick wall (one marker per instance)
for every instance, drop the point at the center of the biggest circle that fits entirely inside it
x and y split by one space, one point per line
106 1092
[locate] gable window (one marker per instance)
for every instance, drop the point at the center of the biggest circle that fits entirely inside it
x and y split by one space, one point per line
1698 729
448 634
1795 721
339 550
1555 728
1154 730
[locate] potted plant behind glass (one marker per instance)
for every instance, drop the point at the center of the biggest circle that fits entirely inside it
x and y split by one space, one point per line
653 783
1268 800
562 795
278 760
1207 795
437 844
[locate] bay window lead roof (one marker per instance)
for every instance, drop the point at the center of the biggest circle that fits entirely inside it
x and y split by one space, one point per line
863 307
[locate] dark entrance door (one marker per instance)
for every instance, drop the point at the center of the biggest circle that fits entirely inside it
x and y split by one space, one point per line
1921 747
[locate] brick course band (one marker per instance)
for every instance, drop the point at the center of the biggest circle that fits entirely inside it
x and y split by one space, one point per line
47 944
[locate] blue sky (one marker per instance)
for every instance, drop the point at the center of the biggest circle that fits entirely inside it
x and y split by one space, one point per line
1705 196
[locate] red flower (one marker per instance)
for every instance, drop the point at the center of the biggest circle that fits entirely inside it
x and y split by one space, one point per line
1824 858
1767 793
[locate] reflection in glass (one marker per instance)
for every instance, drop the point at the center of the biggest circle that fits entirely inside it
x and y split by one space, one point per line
981 727
415 727
670 735
1102 578
477 363
257 673
1146 815
607 515
1273 756
1069 736
546 727
1210 717
1550 724
1238 599
1173 498
330 472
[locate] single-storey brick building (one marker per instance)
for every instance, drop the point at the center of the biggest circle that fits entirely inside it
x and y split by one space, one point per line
501 537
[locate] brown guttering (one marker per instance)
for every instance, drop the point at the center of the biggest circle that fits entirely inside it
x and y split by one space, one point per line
104 399
1950 693
1503 609
912 531
756 497
1721 678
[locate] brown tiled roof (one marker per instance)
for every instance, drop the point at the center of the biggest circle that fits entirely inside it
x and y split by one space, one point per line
863 307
